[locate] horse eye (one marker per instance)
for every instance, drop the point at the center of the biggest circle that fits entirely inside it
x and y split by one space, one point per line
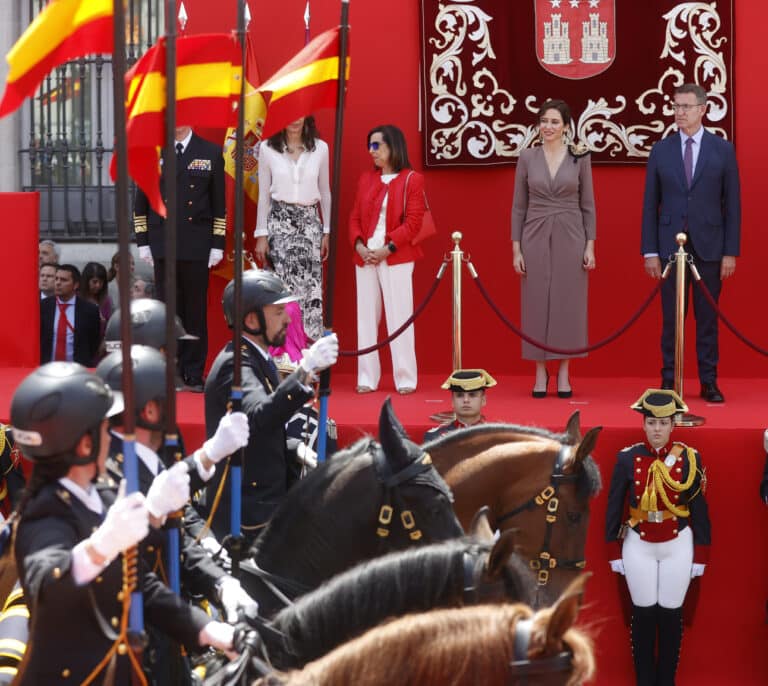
574 517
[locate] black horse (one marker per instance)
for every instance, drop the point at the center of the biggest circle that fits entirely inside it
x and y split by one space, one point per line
368 500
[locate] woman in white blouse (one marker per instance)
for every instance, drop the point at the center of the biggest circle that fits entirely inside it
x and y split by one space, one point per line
292 226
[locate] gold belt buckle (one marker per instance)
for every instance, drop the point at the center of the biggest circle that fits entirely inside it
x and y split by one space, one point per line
656 516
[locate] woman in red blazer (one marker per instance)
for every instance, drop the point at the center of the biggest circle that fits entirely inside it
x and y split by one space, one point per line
387 214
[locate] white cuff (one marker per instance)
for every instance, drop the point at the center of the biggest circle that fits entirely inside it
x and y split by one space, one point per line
326 230
650 254
260 232
84 570
204 474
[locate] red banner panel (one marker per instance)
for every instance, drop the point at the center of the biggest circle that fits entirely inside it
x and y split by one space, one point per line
487 66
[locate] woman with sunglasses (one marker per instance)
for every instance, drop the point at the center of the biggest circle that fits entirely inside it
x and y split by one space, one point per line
388 210
293 221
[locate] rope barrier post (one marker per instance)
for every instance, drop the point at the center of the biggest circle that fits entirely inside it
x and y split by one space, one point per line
457 256
681 256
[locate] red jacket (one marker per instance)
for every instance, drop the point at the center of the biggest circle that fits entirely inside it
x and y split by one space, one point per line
365 213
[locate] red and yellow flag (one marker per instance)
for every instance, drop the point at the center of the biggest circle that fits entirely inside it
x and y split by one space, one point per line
255 111
63 31
208 73
306 83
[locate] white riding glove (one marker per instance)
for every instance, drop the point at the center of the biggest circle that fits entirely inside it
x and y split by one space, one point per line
169 491
617 566
215 549
307 456
231 434
322 354
697 569
233 597
126 523
214 257
145 253
217 634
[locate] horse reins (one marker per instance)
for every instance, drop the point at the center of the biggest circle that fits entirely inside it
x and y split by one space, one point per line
548 498
522 667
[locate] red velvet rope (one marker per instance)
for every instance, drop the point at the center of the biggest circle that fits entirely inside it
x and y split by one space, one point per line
720 314
403 327
566 351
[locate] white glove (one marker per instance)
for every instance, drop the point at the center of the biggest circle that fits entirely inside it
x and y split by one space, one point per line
126 523
322 354
233 597
307 456
231 434
214 257
218 635
169 491
145 253
765 440
697 569
214 548
617 566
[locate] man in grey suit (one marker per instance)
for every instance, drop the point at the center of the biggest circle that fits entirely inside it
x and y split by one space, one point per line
692 185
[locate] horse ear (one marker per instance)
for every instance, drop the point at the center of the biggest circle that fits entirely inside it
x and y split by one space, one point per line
573 428
480 528
587 444
564 612
501 552
398 448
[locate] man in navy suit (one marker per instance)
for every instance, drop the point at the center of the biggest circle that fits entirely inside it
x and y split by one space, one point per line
692 185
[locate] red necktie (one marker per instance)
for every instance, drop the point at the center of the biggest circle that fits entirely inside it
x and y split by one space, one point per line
61 333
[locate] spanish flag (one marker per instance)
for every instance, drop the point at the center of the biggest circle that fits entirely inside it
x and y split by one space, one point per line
306 83
63 31
208 73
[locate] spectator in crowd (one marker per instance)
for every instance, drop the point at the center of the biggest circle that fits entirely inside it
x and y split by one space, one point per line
113 279
293 223
93 288
142 289
47 279
467 387
69 326
48 253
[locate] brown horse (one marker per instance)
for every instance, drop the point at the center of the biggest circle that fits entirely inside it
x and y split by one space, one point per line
493 645
532 480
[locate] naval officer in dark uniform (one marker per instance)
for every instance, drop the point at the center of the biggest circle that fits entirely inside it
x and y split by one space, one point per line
268 402
200 237
665 541
467 387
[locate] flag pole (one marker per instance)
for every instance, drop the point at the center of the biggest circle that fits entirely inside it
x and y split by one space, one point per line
236 459
325 377
173 523
130 465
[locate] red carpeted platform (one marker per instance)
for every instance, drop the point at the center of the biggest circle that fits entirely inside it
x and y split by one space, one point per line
726 644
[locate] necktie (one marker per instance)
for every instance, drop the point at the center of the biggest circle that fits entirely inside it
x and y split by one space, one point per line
61 333
179 150
274 377
688 161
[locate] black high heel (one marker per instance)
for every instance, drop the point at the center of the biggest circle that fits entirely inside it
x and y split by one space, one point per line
564 394
541 394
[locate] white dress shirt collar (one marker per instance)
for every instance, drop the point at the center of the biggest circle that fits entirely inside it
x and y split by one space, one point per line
89 498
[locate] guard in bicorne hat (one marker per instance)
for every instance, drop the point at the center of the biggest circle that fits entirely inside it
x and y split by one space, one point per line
664 541
467 387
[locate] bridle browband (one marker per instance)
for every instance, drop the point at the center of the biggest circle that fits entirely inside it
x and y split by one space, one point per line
522 667
548 498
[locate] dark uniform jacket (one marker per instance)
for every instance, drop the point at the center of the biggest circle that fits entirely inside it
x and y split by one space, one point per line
438 431
629 479
269 405
87 331
72 626
200 202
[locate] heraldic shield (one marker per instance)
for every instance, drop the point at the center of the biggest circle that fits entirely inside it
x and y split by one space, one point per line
575 39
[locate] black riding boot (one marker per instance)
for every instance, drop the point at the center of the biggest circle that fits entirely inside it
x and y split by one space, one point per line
670 638
643 636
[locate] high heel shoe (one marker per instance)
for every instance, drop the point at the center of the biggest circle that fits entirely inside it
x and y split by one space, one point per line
565 394
541 394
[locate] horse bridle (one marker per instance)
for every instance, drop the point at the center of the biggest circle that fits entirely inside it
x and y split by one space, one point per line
522 667
548 498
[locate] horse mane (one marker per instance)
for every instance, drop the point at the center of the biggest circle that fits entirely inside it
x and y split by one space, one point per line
304 493
416 580
460 647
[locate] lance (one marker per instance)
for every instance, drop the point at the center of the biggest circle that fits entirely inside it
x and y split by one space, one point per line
130 465
173 548
325 377
236 396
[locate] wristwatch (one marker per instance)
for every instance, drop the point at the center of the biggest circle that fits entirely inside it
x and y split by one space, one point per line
391 247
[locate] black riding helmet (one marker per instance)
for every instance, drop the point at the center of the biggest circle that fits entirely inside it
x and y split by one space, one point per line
54 406
260 287
148 378
147 325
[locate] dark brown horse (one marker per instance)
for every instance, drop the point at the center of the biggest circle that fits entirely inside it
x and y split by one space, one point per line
493 645
532 480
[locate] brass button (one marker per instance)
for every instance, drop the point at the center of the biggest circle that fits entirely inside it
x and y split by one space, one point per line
115 622
642 533
150 549
253 484
191 185
639 459
120 596
189 203
122 649
190 218
290 397
678 469
99 579
65 673
638 470
56 573
637 483
674 531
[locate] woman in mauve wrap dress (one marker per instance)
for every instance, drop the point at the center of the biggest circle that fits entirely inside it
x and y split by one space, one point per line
553 235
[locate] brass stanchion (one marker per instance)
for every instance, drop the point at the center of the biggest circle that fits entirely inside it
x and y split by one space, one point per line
681 256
